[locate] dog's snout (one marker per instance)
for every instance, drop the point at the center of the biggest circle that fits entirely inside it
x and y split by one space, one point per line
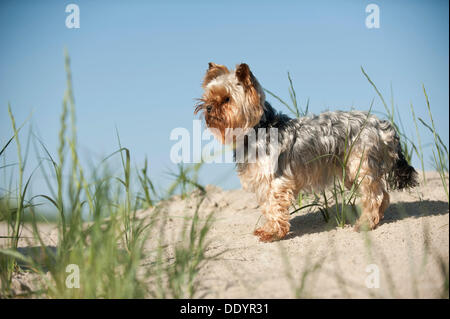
208 108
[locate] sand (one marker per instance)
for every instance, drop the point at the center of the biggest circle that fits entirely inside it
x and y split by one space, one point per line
409 250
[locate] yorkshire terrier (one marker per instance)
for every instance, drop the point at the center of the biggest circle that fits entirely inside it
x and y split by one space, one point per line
310 153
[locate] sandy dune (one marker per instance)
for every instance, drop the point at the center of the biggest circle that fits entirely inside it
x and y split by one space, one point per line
334 259
317 259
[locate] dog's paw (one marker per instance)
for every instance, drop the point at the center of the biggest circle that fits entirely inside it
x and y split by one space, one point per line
267 236
264 236
364 226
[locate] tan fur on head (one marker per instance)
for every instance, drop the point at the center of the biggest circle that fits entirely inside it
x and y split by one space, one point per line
231 99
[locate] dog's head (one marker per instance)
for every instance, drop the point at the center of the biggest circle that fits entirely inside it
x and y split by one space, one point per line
231 100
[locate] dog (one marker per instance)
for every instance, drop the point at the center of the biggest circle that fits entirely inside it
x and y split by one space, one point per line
311 151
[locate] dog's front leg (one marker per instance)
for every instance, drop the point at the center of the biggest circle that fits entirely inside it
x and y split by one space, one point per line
276 211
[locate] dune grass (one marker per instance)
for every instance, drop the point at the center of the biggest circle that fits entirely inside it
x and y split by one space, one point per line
100 249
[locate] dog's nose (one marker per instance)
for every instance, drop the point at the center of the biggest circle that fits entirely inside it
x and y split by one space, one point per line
209 108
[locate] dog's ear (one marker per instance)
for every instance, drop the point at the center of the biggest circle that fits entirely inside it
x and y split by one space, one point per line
244 75
214 70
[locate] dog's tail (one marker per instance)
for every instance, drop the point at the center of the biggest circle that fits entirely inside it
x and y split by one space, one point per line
402 175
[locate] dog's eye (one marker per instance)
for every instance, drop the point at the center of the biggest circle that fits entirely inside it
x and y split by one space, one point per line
227 99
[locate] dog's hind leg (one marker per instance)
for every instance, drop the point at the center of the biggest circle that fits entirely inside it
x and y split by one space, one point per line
371 188
374 200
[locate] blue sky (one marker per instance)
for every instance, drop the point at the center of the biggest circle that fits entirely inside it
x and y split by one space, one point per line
138 65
